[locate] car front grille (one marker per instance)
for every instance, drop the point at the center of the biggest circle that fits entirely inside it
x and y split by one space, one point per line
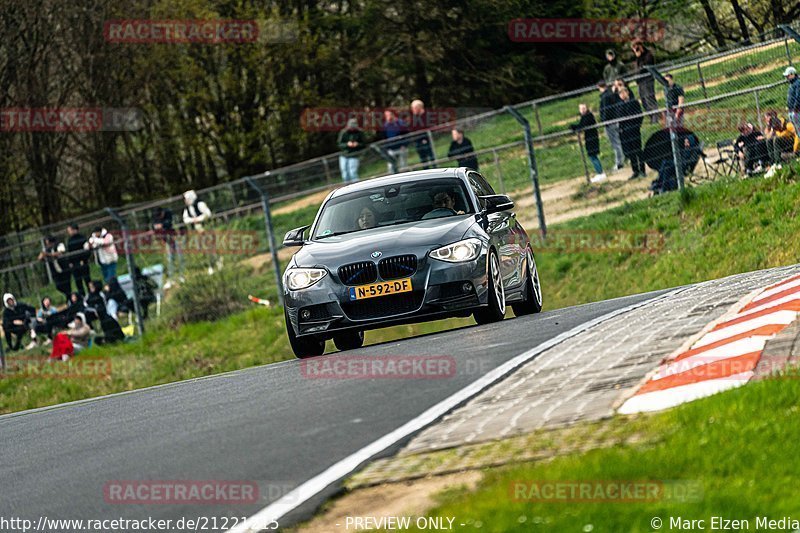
400 266
384 306
358 273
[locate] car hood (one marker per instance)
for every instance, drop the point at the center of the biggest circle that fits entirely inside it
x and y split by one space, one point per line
418 238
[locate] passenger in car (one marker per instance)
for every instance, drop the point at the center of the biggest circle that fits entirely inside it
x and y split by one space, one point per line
366 218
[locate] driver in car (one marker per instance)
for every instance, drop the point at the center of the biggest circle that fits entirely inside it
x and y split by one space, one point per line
366 218
443 205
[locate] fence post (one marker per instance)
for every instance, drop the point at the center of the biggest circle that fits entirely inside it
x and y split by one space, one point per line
671 125
328 177
137 307
2 355
499 170
47 263
537 117
758 111
703 85
270 234
430 143
583 157
526 129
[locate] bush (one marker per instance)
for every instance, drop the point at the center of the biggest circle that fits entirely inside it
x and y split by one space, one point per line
209 297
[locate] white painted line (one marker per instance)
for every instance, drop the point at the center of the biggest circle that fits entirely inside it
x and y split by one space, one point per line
726 351
777 318
663 399
776 290
766 305
276 510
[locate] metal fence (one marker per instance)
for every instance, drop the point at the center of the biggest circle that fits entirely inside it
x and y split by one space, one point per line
741 83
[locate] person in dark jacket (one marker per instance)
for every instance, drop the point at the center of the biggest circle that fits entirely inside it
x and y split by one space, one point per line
351 142
394 127
78 256
76 305
614 67
146 289
58 265
420 123
590 139
462 146
609 105
630 132
17 318
793 97
750 149
164 229
647 89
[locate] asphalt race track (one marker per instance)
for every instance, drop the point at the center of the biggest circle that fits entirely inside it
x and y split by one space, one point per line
270 425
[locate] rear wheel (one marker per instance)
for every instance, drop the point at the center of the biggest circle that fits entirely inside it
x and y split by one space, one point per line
349 340
309 346
496 310
533 290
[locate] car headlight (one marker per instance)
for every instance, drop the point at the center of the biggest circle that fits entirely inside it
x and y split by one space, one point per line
298 279
460 251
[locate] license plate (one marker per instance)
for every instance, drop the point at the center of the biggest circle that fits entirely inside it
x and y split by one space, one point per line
380 289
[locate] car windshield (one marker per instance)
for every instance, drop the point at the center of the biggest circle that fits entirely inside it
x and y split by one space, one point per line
389 205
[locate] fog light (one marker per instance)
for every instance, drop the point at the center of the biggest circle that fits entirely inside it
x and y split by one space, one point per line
466 287
305 314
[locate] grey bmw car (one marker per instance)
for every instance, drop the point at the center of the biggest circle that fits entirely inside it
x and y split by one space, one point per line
406 248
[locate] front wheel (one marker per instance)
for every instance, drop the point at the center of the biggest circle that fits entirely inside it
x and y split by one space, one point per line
349 340
303 347
533 290
496 310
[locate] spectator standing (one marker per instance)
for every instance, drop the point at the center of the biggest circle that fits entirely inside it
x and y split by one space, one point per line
590 139
79 257
630 132
419 122
645 81
462 146
146 289
793 97
163 228
609 108
675 100
394 127
102 242
351 142
196 212
16 320
59 266
614 67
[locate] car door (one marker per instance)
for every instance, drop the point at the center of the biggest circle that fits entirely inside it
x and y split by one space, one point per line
500 230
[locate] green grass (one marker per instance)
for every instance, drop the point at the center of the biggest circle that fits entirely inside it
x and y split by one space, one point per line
733 450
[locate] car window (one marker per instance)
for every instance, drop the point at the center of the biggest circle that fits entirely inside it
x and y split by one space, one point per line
392 205
479 186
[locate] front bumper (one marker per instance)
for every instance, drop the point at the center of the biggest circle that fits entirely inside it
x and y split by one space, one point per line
438 290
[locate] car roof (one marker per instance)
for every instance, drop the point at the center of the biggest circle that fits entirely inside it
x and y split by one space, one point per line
405 177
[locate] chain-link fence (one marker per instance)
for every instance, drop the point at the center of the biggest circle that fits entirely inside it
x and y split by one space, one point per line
720 91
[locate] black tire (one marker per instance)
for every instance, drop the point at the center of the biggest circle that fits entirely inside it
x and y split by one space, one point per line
496 310
533 290
309 346
349 340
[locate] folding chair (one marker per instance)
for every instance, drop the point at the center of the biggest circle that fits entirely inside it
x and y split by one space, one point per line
726 163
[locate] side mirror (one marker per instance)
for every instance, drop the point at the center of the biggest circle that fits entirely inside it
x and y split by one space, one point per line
294 237
495 203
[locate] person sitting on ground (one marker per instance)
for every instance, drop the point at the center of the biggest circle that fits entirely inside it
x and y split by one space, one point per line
76 305
115 292
44 320
444 205
16 320
690 155
750 149
366 218
96 300
591 140
71 341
